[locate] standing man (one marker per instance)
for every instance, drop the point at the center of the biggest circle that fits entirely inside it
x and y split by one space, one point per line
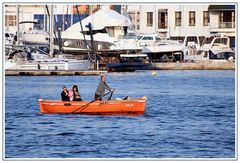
101 88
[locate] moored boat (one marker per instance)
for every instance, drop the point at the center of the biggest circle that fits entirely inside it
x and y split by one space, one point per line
130 62
160 50
37 61
214 48
131 106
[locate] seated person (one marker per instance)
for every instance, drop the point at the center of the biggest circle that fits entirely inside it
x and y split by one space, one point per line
76 94
64 94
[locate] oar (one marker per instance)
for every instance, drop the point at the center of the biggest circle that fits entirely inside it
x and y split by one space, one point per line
84 106
111 95
125 98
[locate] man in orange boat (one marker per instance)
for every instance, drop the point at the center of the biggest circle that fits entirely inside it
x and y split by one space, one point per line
64 94
101 88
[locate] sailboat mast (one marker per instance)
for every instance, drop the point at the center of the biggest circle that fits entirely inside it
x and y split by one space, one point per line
51 32
17 7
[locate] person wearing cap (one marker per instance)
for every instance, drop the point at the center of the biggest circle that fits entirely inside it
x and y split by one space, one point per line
101 88
64 94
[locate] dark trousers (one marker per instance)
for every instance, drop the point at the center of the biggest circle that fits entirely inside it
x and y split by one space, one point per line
97 97
77 99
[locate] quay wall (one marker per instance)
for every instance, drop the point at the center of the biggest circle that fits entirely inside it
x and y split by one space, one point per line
51 73
205 65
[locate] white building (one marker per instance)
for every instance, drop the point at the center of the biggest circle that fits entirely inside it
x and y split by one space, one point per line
39 13
178 20
34 13
222 19
169 20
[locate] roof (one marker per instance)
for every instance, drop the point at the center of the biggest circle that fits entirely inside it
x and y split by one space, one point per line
221 7
101 19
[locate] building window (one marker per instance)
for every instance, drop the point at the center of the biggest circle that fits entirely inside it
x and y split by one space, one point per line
135 19
149 19
227 19
162 19
178 18
138 20
206 18
192 18
10 20
132 19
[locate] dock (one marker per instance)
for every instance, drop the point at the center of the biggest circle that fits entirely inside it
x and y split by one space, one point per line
206 65
52 73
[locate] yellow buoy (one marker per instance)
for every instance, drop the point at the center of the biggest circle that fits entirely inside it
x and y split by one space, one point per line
154 73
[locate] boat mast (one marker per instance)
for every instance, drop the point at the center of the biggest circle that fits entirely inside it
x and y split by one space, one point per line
51 32
84 38
89 26
17 24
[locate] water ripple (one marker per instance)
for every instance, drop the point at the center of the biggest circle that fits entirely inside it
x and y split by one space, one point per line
189 114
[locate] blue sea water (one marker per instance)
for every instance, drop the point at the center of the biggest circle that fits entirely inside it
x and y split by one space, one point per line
189 114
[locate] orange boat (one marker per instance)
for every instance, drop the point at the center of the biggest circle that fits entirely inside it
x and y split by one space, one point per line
133 106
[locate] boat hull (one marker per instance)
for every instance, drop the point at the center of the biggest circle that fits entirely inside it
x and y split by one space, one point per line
80 65
120 67
171 48
42 38
136 106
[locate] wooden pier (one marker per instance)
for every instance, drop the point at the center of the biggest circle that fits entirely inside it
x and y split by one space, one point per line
52 73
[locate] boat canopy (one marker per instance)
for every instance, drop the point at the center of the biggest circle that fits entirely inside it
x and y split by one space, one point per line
101 19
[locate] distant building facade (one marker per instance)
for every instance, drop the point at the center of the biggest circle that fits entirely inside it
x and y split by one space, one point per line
65 15
172 21
176 21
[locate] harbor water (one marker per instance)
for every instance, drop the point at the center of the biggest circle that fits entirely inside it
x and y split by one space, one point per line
189 114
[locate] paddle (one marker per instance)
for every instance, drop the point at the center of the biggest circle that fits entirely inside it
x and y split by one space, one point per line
125 98
84 106
111 94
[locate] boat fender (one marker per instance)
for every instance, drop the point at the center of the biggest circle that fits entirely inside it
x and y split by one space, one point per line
67 104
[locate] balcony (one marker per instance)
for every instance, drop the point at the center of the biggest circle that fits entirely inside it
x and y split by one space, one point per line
226 25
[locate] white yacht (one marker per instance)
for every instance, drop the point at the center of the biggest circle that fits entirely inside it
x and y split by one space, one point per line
215 47
43 62
109 29
160 50
34 36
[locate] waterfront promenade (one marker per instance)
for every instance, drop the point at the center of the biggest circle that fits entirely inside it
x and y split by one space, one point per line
207 65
